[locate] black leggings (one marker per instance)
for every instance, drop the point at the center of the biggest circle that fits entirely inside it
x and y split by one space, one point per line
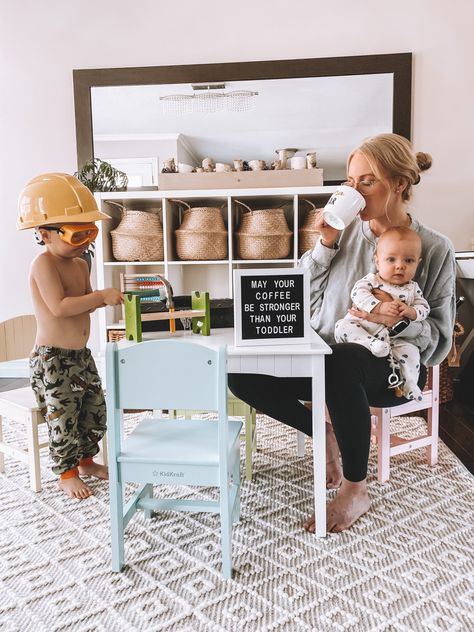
355 380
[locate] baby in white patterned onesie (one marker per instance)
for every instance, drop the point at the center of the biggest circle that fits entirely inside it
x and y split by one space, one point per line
396 258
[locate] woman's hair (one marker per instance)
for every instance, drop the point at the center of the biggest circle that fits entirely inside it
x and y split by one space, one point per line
392 156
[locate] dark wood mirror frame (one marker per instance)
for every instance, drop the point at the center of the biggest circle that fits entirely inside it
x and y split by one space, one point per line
398 64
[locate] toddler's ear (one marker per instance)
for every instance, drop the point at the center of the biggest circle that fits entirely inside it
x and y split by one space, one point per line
38 237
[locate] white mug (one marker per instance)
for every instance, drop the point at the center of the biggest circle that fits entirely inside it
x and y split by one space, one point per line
343 206
184 168
298 162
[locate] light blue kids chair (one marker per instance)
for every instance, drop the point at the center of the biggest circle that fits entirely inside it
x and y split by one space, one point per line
171 374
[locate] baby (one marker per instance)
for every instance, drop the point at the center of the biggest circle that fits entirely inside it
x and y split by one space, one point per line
396 258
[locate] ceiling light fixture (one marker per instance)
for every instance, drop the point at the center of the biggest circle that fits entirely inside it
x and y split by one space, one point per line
208 98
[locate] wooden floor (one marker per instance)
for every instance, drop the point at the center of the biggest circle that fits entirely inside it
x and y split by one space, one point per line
456 429
10 383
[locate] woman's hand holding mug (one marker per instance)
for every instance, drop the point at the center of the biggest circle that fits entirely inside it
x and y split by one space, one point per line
329 235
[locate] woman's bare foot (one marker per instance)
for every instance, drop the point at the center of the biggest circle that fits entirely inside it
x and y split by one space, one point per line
333 463
352 502
75 487
94 469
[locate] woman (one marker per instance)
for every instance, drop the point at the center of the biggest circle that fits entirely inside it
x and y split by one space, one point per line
383 169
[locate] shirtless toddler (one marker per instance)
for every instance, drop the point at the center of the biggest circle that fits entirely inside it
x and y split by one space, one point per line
63 374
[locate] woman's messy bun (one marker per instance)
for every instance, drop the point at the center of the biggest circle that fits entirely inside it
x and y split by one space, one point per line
392 156
423 160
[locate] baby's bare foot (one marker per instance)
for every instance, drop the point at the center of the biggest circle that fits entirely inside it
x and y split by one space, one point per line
351 502
75 487
94 469
333 463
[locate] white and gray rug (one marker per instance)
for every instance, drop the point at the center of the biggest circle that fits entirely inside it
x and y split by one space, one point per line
406 566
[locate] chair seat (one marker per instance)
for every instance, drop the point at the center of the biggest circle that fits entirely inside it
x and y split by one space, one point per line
187 441
15 368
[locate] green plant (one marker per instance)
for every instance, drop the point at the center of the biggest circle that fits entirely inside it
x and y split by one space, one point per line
98 175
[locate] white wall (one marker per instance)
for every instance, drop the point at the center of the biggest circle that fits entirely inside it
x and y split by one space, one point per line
41 42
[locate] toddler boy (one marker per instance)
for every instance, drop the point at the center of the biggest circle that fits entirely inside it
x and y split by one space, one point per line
64 378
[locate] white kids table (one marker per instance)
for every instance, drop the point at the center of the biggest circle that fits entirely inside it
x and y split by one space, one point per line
292 360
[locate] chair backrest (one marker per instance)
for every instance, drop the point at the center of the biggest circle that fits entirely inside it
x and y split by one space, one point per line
17 337
166 374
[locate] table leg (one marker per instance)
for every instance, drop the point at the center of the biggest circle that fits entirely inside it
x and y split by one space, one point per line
319 444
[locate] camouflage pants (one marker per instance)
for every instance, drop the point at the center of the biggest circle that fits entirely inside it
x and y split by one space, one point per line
69 393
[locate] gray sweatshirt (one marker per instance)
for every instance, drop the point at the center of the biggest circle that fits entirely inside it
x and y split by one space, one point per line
334 272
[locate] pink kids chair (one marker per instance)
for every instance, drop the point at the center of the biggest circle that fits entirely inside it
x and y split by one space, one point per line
391 444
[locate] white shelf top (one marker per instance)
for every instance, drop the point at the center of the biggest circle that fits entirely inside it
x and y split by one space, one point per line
222 193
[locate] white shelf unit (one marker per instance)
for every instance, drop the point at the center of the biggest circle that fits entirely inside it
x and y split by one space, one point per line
185 276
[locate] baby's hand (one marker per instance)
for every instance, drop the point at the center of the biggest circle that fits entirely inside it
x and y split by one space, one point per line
111 296
408 312
391 308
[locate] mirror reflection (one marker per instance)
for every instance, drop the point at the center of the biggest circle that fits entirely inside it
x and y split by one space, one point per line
137 128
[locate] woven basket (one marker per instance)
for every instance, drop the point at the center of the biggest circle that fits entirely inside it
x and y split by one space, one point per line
202 234
263 234
448 366
307 234
446 384
139 236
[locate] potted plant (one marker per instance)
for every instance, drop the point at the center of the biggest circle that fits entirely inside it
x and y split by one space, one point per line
98 175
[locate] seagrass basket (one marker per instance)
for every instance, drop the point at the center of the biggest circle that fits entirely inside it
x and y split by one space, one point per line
308 235
202 234
446 383
139 236
447 368
263 234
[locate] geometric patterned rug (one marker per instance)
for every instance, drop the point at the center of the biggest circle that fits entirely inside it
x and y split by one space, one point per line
406 566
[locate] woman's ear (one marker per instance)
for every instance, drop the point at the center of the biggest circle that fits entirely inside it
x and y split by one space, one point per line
400 184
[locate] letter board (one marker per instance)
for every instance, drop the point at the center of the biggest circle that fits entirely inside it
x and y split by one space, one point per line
271 306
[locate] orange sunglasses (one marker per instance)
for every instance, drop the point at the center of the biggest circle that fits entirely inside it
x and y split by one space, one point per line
75 234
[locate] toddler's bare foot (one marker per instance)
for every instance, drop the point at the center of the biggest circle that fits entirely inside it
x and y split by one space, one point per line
75 487
352 502
94 469
333 463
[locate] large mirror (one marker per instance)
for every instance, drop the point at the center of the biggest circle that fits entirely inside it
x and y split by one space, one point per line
136 118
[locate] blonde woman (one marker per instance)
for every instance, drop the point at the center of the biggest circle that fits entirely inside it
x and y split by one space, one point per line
383 169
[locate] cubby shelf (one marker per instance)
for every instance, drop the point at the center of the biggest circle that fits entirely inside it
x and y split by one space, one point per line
216 276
